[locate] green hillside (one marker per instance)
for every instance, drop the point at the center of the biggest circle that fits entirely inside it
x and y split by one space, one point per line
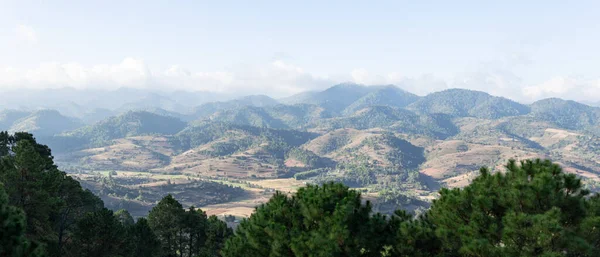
299 115
468 103
400 120
207 132
249 116
45 123
567 114
386 96
128 124
279 116
334 99
204 111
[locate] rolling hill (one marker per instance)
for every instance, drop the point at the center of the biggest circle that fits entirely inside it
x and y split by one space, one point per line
468 103
334 99
45 123
206 110
128 124
386 96
373 147
249 116
567 114
279 116
395 119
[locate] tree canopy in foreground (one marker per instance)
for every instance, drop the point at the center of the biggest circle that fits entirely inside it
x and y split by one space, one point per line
532 209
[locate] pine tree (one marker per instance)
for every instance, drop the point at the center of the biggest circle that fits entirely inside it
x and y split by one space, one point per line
143 241
99 234
195 225
216 233
533 209
124 218
165 219
327 220
13 242
51 200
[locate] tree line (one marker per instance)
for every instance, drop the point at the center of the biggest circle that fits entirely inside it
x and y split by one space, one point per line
531 209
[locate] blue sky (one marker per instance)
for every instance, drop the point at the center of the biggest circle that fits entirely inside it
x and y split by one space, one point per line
523 49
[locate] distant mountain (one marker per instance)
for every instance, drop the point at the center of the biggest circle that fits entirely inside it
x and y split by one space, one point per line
401 120
126 99
298 115
567 114
195 98
370 117
256 101
300 98
45 123
77 102
162 112
151 102
468 103
204 111
128 124
249 116
95 115
279 116
69 108
8 117
386 96
334 99
591 103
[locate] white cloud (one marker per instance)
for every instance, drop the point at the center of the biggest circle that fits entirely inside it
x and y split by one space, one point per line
129 73
277 78
361 76
420 85
26 34
578 89
280 78
496 82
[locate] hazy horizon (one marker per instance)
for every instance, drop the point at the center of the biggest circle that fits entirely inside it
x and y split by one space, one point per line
60 98
545 49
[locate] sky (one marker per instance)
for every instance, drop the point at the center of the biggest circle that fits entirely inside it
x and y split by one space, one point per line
524 50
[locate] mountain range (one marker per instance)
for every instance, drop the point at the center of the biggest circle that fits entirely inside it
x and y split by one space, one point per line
376 138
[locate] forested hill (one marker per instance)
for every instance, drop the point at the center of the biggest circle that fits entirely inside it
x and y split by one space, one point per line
533 208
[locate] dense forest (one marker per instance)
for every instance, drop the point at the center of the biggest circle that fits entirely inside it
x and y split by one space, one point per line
531 209
44 212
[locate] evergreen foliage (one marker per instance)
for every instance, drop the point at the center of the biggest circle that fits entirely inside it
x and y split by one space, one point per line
44 212
327 220
532 209
13 242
